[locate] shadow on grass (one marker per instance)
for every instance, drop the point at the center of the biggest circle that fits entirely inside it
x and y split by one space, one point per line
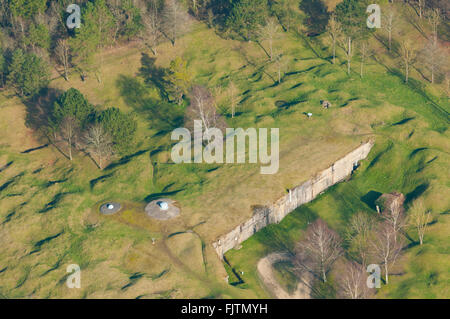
153 74
154 196
441 116
40 243
10 181
404 121
162 115
94 181
53 203
419 190
39 108
370 198
124 160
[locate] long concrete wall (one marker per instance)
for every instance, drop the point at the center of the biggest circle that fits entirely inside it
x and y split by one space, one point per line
306 192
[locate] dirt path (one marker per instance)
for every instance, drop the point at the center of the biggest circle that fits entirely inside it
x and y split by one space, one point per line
267 276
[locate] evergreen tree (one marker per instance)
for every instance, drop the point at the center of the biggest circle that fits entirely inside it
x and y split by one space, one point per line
73 104
38 36
27 73
27 8
121 127
352 16
247 16
133 20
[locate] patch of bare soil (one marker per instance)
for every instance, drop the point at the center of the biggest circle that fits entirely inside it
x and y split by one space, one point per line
265 271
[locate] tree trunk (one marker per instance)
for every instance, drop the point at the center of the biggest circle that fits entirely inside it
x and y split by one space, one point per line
362 68
390 40
349 55
386 271
334 51
407 73
70 149
271 50
66 73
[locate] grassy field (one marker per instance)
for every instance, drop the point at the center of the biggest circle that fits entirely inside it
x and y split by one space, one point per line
49 207
410 155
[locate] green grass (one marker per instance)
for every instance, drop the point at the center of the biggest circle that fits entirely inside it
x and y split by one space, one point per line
49 207
390 167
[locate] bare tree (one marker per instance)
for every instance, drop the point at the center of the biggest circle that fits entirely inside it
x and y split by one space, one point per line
233 95
358 235
268 33
352 281
364 53
63 55
433 58
334 30
98 144
385 247
434 18
346 44
175 20
408 55
421 6
194 5
210 17
419 217
203 108
394 217
280 63
69 130
322 246
119 16
389 19
151 30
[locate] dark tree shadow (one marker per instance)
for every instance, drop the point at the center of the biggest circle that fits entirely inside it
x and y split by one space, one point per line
419 190
163 116
370 198
40 107
153 74
316 16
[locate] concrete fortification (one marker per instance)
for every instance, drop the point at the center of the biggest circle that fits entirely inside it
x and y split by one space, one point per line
304 193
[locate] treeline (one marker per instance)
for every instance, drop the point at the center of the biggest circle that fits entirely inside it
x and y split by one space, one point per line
34 34
37 30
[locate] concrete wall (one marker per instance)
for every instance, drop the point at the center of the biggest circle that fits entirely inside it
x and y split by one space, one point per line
306 192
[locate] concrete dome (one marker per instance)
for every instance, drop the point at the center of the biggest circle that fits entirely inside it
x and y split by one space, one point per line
110 208
162 209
